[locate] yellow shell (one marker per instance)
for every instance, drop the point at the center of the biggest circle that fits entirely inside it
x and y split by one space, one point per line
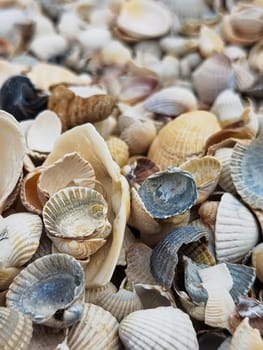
119 150
183 138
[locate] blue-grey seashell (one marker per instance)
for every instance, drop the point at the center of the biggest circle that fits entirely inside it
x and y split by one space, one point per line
168 193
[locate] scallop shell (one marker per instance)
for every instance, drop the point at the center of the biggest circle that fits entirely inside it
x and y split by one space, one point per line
92 294
225 181
171 101
69 170
163 328
214 75
119 150
144 19
164 193
74 217
206 172
16 330
182 138
49 291
12 155
236 231
28 192
246 337
97 330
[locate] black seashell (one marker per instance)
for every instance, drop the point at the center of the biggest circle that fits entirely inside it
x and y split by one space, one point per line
19 97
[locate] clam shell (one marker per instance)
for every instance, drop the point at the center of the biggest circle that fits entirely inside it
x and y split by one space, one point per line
49 291
171 101
119 150
16 330
163 328
164 193
236 231
182 138
206 172
12 155
97 330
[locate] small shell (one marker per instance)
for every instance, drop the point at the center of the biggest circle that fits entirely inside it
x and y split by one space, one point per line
49 291
164 193
28 192
177 45
206 172
163 328
225 181
257 260
209 42
45 47
255 57
119 150
16 330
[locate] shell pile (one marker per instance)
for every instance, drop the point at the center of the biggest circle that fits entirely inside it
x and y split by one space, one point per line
131 198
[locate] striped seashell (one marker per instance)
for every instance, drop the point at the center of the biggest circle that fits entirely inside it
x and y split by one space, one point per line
207 213
45 338
92 294
224 155
119 150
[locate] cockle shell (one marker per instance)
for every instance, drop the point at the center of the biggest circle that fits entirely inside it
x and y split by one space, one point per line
225 181
236 231
16 330
183 138
171 101
49 291
96 330
163 328
119 150
168 193
75 215
144 19
12 156
92 294
206 172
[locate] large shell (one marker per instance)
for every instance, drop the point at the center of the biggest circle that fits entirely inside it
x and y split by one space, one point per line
183 138
75 215
16 330
49 291
246 337
12 156
236 231
97 330
163 328
168 193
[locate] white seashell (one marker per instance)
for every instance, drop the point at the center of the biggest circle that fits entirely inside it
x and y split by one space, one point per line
115 53
43 25
178 46
47 46
209 42
244 76
188 63
8 69
69 25
92 294
246 337
167 70
101 17
255 57
94 39
225 181
235 52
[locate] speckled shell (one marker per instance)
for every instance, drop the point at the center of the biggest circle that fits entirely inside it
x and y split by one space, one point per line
183 138
97 330
236 231
49 291
206 172
163 328
119 150
16 330
168 193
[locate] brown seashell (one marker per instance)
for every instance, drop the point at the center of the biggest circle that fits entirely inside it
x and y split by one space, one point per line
75 110
207 212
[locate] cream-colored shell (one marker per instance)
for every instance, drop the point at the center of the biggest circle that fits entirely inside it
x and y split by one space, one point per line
92 294
246 337
119 150
129 239
255 57
225 180
209 42
45 338
257 260
48 46
28 192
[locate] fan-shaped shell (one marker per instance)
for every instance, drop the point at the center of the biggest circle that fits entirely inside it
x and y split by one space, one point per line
163 328
16 330
207 213
225 181
49 291
119 150
183 138
92 294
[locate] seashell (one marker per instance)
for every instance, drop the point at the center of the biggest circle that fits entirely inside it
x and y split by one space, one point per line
16 330
236 231
207 213
188 63
153 296
46 47
76 221
200 252
227 107
9 69
171 101
257 256
45 338
255 57
160 328
106 127
210 42
207 81
256 89
13 152
44 76
164 193
70 170
235 52
28 192
119 150
206 172
144 19
74 110
92 294
115 53
245 77
97 330
19 97
164 257
182 138
244 167
225 181
49 291
139 136
177 45
93 39
129 239
246 337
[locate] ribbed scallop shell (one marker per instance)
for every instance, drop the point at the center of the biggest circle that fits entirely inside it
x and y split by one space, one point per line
206 172
97 330
49 291
163 328
207 213
16 330
69 170
183 138
245 169
168 193
92 294
236 231
171 101
225 181
119 150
